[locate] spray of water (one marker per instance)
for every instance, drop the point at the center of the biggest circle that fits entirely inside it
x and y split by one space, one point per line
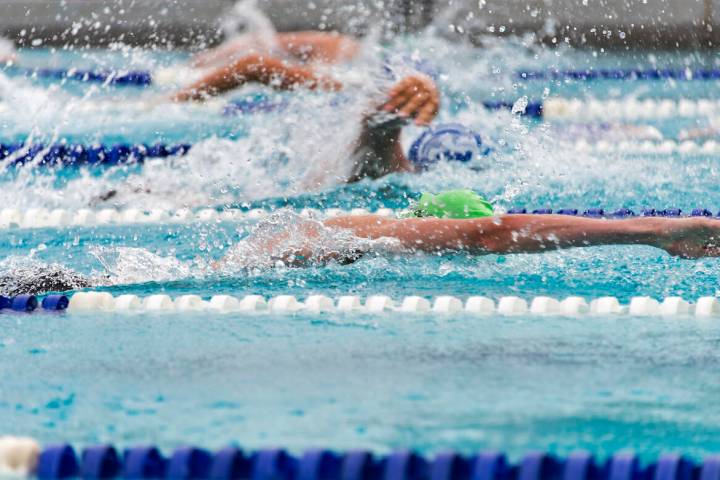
247 19
7 51
287 239
305 148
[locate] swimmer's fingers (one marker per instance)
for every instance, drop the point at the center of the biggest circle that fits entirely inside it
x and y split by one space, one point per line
399 88
397 100
427 112
401 93
414 104
410 96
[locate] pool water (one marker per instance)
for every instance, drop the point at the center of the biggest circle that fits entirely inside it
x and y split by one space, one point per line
346 380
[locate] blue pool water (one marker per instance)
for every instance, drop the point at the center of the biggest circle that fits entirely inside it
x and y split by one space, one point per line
428 382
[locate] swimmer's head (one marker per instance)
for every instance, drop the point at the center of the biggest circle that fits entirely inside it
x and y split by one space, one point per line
450 141
451 204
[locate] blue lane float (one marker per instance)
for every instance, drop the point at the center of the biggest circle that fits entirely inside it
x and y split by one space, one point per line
24 303
534 109
65 154
189 462
100 462
55 303
30 303
620 74
57 461
103 462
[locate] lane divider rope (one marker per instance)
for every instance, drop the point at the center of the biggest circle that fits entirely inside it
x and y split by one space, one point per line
683 74
709 147
628 109
142 78
375 304
13 218
64 154
548 109
23 456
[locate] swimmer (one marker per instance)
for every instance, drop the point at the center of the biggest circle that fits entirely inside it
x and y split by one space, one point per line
377 151
290 62
463 222
457 221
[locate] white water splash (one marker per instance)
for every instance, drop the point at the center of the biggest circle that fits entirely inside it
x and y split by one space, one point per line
7 50
29 275
287 239
125 265
245 18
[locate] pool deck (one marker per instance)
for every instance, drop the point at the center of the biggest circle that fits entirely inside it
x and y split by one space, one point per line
194 23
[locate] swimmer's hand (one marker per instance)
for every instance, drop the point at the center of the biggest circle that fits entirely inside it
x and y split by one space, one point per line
416 97
690 237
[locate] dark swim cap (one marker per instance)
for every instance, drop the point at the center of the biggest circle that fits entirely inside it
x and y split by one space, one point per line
452 204
450 141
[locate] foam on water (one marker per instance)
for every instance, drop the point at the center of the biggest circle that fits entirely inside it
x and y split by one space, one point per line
288 239
284 239
28 275
245 18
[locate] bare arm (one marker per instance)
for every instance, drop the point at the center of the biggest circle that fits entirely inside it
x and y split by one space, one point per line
378 151
686 237
255 68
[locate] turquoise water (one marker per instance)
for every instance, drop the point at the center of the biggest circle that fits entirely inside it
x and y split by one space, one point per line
343 381
379 382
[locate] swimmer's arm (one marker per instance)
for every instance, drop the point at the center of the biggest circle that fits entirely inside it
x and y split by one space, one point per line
686 237
263 69
378 152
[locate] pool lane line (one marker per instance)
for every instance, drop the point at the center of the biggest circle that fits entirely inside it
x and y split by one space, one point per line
94 302
631 74
647 147
25 457
144 78
552 109
608 109
14 218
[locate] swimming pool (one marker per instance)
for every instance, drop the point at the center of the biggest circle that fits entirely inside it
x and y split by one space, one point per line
353 380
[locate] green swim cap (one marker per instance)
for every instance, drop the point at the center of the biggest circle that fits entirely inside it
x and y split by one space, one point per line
452 204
